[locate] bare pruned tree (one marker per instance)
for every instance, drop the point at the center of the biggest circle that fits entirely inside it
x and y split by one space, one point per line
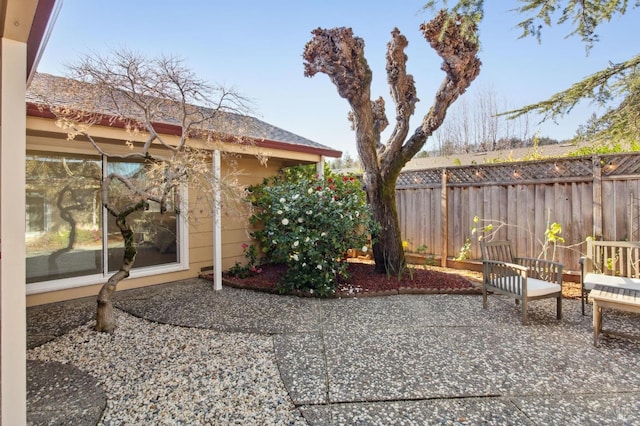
172 122
340 55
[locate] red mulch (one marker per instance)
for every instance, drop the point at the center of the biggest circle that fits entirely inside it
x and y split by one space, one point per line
364 281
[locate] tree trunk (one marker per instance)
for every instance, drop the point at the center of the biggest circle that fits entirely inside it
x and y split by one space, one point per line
105 320
387 244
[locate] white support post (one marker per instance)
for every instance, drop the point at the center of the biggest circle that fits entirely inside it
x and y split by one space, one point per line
217 223
13 323
320 166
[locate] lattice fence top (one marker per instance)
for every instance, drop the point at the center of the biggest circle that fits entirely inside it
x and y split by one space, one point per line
560 169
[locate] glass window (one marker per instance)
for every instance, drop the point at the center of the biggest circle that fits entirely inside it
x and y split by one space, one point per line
63 217
155 233
65 236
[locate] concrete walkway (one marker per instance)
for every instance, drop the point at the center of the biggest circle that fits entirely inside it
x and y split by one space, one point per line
407 359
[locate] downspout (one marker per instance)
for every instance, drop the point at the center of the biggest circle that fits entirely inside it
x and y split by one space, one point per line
217 224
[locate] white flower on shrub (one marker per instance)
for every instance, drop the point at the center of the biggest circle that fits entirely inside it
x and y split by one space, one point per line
324 234
295 196
364 249
280 212
282 200
296 243
310 191
300 220
295 257
309 212
306 240
319 266
285 221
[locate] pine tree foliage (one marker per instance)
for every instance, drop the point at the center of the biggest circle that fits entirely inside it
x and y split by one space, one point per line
617 86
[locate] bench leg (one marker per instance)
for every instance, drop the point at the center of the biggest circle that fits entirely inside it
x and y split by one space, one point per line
559 308
597 322
524 310
484 296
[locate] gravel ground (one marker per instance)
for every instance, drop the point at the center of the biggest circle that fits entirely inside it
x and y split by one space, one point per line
242 357
218 378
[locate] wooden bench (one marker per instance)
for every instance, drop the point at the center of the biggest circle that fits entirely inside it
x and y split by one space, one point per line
622 298
609 263
523 278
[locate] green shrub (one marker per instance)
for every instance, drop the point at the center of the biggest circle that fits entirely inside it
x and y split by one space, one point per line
309 223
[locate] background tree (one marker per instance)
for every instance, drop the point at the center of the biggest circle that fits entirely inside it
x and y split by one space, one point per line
473 124
143 94
340 55
617 85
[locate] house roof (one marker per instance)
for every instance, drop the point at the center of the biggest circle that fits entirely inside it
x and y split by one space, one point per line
515 154
264 134
461 159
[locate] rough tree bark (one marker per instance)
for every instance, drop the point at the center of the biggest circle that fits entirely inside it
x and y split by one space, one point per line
340 55
105 321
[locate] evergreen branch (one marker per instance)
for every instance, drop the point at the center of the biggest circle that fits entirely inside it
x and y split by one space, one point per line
596 86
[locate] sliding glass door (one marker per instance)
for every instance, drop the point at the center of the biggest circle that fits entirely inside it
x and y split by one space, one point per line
65 232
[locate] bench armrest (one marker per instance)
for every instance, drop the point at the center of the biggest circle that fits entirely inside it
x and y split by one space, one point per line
582 261
509 277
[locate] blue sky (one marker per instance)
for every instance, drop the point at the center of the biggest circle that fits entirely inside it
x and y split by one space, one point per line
256 47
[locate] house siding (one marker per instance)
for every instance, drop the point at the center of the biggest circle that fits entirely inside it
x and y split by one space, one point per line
42 135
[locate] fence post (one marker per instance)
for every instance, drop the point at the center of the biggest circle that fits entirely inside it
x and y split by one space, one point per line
444 219
597 198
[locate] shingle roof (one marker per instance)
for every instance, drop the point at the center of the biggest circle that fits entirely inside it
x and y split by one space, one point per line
264 133
515 154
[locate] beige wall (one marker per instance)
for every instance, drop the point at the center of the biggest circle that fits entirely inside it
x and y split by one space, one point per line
249 171
234 222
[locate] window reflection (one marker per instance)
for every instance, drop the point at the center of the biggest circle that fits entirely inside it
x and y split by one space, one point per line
64 215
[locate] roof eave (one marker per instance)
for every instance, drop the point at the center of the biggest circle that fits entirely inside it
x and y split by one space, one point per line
35 110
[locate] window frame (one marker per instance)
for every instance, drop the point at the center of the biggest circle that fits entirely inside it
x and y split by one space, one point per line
182 244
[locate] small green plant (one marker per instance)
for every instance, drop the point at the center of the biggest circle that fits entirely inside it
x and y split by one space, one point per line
465 250
239 270
490 228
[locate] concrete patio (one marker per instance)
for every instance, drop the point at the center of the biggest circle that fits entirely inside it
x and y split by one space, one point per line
406 359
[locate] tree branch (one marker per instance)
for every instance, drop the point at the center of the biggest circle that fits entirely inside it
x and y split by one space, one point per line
596 87
403 93
453 37
338 54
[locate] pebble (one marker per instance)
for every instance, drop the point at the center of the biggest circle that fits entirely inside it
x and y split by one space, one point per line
167 375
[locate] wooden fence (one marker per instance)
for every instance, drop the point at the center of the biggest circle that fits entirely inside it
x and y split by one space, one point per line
588 196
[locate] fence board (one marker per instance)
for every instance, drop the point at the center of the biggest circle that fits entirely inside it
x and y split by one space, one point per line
577 193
